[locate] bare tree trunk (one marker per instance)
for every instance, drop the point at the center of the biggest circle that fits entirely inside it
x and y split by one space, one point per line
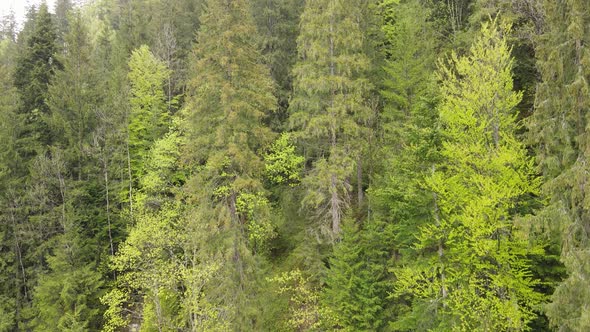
359 181
18 249
106 186
158 307
130 177
334 199
440 244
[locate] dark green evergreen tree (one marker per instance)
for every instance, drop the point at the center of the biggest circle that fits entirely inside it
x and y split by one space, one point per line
358 281
558 130
409 139
66 296
35 67
10 275
278 27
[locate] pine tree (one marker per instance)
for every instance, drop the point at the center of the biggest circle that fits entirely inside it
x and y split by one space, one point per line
231 95
479 277
558 130
329 111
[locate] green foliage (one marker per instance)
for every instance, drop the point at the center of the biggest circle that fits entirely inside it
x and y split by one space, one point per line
282 164
114 315
558 131
329 111
358 281
480 265
410 139
35 67
278 27
231 96
71 98
163 172
146 183
255 208
148 118
66 298
148 263
149 268
304 307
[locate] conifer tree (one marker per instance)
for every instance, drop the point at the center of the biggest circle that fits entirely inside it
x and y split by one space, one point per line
10 279
26 134
66 296
231 95
329 111
558 129
8 27
410 142
479 277
72 101
278 26
34 70
358 281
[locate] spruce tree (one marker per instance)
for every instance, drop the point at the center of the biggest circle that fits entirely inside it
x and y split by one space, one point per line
558 130
409 140
358 281
231 94
71 100
475 274
278 27
329 112
10 279
32 76
66 296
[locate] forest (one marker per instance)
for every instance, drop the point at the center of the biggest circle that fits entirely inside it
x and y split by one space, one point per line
295 165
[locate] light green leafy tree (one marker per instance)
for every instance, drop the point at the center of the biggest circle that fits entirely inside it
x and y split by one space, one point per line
149 264
282 164
149 118
475 274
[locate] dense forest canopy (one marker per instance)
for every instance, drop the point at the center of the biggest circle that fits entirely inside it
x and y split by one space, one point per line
295 165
